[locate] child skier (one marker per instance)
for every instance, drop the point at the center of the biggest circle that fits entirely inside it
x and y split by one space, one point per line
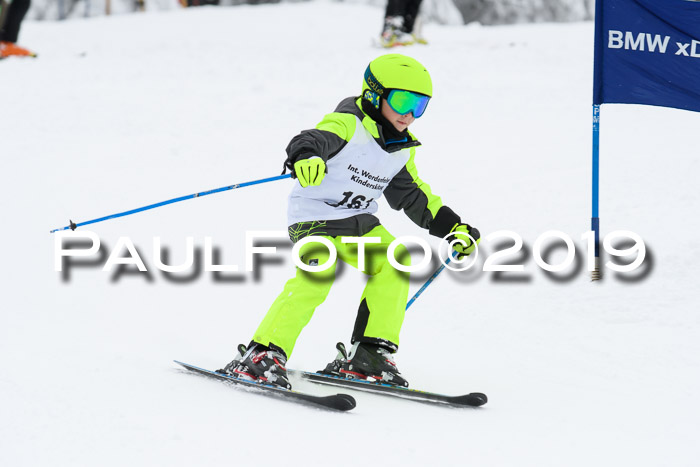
356 154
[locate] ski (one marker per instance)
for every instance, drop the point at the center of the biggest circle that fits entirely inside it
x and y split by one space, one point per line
341 402
379 44
474 399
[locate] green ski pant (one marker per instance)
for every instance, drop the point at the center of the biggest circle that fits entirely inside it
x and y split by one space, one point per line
383 303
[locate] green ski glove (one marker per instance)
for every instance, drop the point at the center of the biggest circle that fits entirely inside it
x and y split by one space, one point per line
310 172
466 246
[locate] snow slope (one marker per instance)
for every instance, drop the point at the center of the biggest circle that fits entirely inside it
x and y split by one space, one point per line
125 111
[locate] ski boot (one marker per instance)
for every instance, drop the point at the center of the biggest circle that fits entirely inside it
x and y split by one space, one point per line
417 32
10 49
341 360
393 34
418 39
260 364
365 361
231 367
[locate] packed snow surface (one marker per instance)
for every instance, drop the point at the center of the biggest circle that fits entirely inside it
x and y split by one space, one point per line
123 111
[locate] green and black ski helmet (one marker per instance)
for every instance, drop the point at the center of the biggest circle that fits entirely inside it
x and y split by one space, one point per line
394 71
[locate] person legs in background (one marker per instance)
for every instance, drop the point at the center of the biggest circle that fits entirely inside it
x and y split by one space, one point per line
400 22
11 17
412 22
393 33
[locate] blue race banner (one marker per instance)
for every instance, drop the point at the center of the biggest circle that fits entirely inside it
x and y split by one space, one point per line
647 52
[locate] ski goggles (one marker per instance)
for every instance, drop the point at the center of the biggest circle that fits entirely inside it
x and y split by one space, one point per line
403 102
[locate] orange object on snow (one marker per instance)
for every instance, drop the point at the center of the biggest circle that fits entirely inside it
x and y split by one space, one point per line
9 49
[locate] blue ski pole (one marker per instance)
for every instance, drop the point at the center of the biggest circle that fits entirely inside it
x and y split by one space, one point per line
73 225
430 280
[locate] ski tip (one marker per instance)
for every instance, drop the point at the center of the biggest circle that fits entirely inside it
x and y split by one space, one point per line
184 365
343 402
475 399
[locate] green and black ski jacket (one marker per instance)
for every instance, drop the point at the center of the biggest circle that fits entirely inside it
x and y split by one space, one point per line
361 167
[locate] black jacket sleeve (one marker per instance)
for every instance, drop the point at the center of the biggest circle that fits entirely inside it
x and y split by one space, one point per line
325 141
409 193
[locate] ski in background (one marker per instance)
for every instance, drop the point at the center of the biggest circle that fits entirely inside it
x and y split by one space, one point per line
340 402
189 3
